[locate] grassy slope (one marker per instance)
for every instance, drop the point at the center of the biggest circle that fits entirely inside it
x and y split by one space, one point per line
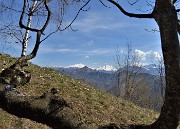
94 106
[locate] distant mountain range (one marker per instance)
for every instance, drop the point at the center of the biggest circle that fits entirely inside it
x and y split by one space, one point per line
151 69
105 77
103 68
100 79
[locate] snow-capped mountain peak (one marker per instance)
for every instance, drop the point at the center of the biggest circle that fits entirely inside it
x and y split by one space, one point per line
106 68
76 66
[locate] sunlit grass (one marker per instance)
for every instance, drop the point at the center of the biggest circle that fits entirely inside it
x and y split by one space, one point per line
92 105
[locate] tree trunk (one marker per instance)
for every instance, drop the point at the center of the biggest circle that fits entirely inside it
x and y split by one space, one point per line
166 17
26 36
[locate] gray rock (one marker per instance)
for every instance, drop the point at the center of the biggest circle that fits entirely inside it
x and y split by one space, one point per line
54 90
9 88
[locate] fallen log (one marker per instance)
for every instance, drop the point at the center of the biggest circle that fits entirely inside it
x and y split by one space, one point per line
47 108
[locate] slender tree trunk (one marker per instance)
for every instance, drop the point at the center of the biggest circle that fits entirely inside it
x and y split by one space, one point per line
119 84
26 36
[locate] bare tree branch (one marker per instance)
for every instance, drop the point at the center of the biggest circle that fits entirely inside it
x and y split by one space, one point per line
132 3
39 33
152 30
36 47
177 10
104 4
81 9
130 14
21 20
6 7
149 3
11 32
174 1
48 17
58 28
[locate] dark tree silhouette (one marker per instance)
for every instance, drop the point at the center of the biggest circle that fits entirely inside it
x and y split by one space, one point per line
165 15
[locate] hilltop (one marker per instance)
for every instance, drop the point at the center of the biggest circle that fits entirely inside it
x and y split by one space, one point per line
93 106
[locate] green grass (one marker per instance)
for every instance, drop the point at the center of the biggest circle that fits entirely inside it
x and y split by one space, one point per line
94 106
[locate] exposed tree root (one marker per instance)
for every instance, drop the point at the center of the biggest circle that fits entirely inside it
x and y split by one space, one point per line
47 109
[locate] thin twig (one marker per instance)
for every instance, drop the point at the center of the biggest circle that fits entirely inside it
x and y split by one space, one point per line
81 9
104 4
133 3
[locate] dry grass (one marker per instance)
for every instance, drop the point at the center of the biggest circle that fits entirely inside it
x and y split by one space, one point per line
94 106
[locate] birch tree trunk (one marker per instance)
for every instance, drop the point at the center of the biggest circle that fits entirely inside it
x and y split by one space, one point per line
26 36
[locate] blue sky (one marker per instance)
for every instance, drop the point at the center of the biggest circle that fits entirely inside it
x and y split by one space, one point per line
99 31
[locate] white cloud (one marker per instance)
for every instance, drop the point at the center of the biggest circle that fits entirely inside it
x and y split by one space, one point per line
87 57
85 53
142 55
149 55
64 50
156 56
97 52
140 64
61 50
88 43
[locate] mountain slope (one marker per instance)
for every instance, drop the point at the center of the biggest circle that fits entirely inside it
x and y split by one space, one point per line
93 106
107 80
